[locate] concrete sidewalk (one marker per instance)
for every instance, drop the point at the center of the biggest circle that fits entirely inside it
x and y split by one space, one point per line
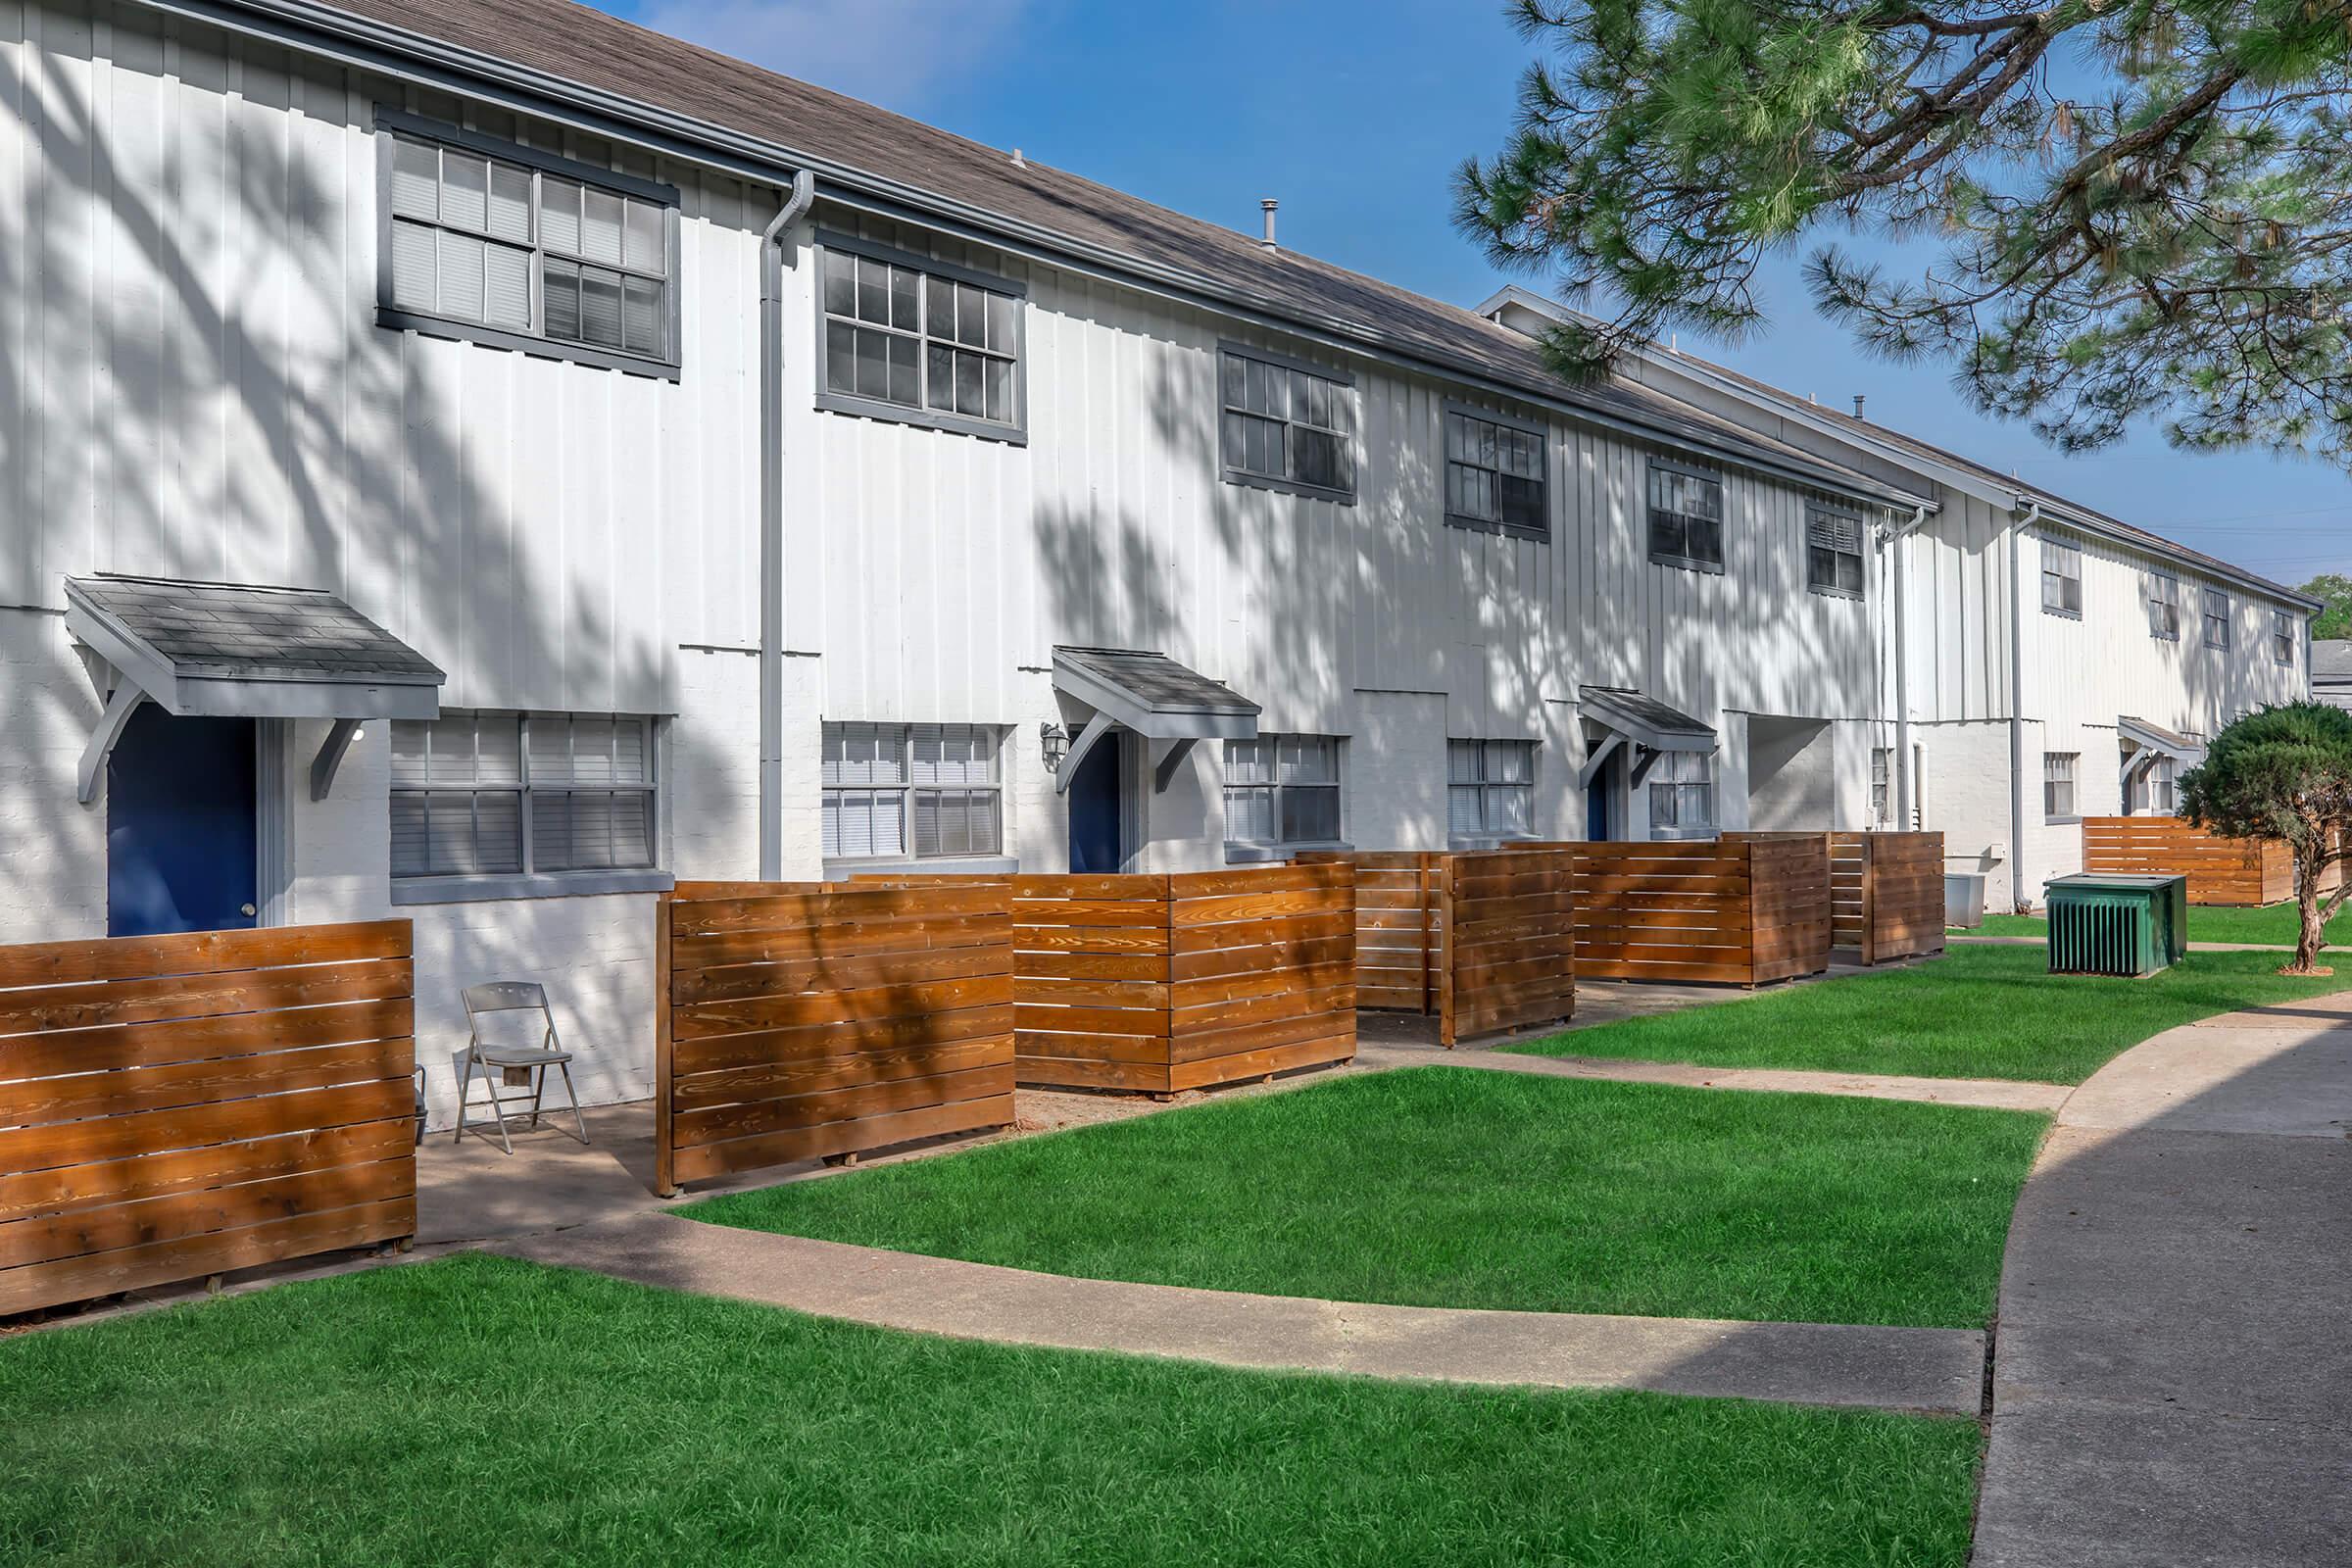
2173 1359
1937 1370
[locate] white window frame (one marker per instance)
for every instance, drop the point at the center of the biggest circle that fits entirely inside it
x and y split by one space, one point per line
1482 778
2061 770
1882 785
2163 592
1345 423
2282 639
909 789
2061 579
1682 796
449 886
1275 788
1839 533
394 125
1652 510
2214 612
1473 465
930 274
2151 801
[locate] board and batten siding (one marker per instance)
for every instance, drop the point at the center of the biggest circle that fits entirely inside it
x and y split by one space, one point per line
197 385
929 570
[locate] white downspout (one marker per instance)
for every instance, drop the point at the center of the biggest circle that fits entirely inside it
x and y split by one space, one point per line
1902 672
2017 705
771 523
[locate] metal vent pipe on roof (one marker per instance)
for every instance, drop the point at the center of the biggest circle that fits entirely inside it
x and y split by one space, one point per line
1858 404
1269 204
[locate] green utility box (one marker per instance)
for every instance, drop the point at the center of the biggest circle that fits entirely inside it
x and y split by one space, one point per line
2113 924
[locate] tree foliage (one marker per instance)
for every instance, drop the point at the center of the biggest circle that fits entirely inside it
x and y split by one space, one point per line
2283 772
2334 590
2141 208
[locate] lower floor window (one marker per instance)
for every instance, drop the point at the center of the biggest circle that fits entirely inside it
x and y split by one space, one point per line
505 794
1682 793
2155 789
1882 795
917 791
2058 783
1490 788
1283 789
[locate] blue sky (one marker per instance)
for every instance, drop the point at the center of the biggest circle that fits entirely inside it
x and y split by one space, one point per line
1355 115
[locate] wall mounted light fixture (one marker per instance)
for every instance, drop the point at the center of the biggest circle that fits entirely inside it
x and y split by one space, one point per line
1054 742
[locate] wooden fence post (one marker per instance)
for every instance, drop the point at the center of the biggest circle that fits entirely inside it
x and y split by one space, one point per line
665 1157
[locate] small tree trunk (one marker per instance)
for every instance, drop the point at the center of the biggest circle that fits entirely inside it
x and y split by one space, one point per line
2310 933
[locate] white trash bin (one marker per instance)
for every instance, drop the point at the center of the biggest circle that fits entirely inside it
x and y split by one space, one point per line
1964 899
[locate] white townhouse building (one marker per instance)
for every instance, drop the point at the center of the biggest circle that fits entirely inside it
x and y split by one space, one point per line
481 461
2040 662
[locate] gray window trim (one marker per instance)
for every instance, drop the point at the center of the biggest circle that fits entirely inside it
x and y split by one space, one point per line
1854 515
469 887
391 317
1526 427
1232 474
1276 848
2048 545
1685 562
2282 639
906 859
2206 618
1015 433
528 884
2150 599
846 869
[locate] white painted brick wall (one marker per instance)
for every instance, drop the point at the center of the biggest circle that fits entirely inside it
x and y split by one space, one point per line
52 848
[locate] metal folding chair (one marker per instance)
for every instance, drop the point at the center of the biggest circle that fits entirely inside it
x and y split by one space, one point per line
513 996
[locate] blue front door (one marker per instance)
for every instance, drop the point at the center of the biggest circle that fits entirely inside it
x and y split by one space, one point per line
182 839
1097 837
1598 828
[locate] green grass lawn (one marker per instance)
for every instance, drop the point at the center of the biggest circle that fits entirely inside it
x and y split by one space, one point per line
483 1410
1976 1013
1451 1187
2274 926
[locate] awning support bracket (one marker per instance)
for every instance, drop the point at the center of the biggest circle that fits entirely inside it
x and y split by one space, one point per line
1095 729
1598 758
119 708
1165 773
1644 758
330 760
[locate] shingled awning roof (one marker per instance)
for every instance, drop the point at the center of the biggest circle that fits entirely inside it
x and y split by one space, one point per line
1151 695
2154 740
235 650
1639 720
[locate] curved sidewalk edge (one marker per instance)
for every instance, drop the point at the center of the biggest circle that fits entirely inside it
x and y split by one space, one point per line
1984 1093
2175 1358
1931 1370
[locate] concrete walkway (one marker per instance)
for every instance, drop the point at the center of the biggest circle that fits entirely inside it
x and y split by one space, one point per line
2173 1363
2281 948
1939 1370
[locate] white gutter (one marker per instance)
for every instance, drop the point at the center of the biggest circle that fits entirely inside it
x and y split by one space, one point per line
772 242
2017 705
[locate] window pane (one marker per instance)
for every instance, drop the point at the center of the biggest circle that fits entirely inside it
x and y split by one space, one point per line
1462 814
459 271
599 307
559 214
1250 814
559 298
841 283
874 291
643 244
971 315
841 357
940 309
873 362
904 373
1318 457
647 318
415 178
1462 762
464 189
495 845
409 856
1511 810
1249 762
599 224
511 203
509 288
1311 814
1001 322
413 249
999 390
903 289
971 395
940 369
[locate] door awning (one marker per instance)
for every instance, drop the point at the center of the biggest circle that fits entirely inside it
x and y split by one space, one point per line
2151 741
1640 722
1151 695
234 650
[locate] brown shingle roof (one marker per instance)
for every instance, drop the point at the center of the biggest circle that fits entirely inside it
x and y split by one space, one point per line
588 47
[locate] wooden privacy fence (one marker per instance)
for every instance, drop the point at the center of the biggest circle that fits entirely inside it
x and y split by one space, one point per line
1745 909
2233 872
1887 894
178 1107
1164 983
808 1019
1484 940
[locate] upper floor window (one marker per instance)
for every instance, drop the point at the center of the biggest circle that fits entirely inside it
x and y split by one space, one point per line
1287 424
2058 784
896 791
2163 606
1685 517
1283 789
521 793
1832 550
2282 638
1495 474
1682 794
510 245
2061 579
1490 788
914 339
2217 618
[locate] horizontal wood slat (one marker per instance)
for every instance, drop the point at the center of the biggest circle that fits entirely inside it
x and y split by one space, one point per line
1745 909
180 1105
2238 872
1887 894
829 1019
